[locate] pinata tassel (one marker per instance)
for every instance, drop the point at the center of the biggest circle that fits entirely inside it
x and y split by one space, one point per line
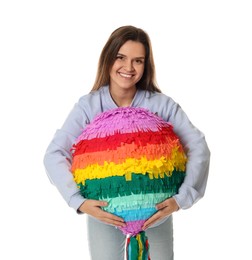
137 247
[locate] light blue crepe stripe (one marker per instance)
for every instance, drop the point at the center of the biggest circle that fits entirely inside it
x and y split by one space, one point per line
136 214
135 201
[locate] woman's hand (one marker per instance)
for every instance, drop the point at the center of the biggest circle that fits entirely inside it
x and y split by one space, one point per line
164 208
93 208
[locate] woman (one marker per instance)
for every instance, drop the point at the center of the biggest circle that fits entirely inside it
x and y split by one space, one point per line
126 77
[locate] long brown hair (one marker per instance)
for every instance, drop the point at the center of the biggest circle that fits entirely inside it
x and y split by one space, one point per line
110 51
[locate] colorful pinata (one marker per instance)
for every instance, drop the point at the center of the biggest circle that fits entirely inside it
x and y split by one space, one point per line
132 159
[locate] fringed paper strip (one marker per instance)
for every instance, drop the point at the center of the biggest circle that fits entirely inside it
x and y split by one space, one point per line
137 248
132 159
112 187
154 168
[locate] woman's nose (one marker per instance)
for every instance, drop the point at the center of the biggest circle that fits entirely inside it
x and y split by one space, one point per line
128 66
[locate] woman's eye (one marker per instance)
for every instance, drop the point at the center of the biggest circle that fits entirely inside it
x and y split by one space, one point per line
139 61
119 57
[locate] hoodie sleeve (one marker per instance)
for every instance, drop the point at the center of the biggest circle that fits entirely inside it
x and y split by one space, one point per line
58 158
196 148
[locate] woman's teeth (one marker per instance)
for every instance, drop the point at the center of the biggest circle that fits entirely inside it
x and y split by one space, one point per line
125 75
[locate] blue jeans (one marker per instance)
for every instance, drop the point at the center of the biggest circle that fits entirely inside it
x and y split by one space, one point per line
108 243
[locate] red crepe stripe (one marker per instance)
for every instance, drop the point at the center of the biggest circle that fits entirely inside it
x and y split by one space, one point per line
165 135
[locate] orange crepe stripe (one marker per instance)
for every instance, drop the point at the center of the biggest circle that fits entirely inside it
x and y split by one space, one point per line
150 152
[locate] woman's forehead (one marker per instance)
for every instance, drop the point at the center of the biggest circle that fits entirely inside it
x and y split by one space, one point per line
132 48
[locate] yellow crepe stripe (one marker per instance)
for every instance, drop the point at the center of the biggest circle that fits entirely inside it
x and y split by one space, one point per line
154 168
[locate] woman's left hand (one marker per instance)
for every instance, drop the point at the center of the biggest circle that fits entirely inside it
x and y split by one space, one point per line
164 208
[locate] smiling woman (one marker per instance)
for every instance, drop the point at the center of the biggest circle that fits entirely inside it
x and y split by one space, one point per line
126 78
126 71
114 48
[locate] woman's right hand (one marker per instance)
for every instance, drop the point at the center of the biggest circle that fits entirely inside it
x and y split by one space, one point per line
93 208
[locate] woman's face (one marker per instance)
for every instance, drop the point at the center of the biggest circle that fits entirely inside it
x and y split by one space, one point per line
128 67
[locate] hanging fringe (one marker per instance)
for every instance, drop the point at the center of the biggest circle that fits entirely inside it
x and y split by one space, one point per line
137 247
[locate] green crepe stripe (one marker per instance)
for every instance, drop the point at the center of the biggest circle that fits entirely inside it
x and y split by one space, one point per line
115 186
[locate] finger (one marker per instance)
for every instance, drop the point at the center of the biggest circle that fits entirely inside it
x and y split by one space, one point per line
161 205
112 217
114 222
151 220
100 203
149 224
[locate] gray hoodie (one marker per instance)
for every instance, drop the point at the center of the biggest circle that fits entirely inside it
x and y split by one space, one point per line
57 159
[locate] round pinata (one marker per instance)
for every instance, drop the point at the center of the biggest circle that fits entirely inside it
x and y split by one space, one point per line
131 158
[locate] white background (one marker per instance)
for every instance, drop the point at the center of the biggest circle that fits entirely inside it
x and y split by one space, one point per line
48 58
